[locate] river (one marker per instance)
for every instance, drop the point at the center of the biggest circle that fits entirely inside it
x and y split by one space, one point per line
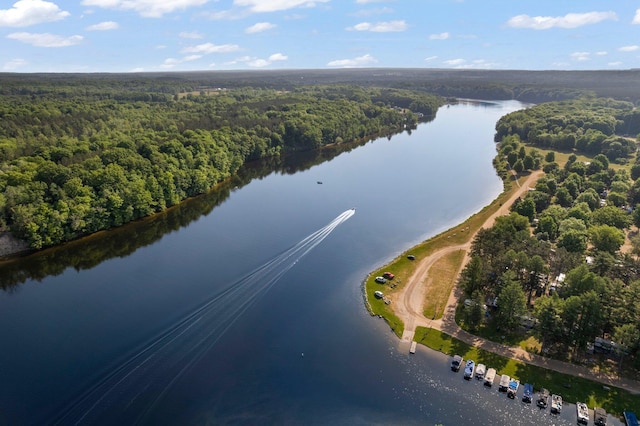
250 310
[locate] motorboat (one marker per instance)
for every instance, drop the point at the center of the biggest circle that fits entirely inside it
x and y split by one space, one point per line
469 368
583 412
556 403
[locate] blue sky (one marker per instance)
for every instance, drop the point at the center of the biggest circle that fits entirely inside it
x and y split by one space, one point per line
184 35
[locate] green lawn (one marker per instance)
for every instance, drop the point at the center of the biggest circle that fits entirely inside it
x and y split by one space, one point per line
572 388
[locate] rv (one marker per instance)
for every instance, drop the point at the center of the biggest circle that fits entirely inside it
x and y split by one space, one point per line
504 383
489 377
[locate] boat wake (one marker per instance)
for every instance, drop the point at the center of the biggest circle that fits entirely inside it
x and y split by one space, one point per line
130 392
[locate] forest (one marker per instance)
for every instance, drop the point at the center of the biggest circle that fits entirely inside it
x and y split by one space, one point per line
77 159
556 259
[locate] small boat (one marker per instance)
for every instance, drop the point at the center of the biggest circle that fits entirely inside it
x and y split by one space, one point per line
543 398
455 363
469 369
556 404
583 412
319 182
600 417
489 377
481 369
412 349
527 393
514 384
504 383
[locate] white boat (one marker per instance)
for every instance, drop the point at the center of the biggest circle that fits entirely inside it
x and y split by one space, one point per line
556 403
583 412
469 368
504 383
412 349
489 377
481 369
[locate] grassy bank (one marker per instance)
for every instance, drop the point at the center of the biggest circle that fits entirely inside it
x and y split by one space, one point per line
445 270
572 388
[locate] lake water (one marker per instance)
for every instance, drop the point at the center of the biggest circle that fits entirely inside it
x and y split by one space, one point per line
246 306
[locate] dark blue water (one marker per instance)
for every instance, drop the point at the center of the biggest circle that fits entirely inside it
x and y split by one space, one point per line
236 318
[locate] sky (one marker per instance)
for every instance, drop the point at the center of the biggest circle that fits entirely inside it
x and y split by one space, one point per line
190 35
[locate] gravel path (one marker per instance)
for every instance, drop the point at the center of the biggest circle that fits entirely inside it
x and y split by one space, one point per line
410 300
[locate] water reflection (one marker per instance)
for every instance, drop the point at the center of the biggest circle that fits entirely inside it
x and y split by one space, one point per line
88 252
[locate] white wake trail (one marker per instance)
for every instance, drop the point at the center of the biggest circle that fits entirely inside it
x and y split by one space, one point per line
134 388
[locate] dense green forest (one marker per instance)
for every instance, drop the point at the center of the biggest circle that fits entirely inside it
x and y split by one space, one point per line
557 256
76 159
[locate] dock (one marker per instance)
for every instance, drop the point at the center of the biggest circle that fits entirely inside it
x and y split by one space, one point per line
412 350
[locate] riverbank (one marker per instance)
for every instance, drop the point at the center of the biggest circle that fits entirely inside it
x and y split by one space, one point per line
11 246
416 286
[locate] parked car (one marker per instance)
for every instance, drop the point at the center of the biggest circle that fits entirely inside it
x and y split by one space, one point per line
527 393
456 362
381 280
388 275
469 369
543 398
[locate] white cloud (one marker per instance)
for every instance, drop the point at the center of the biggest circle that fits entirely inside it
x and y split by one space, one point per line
374 11
30 12
172 62
276 5
194 35
370 1
46 39
441 36
139 69
103 26
278 57
455 62
355 62
259 27
14 64
207 48
430 58
380 27
581 56
570 20
258 62
629 48
146 8
614 64
636 19
601 53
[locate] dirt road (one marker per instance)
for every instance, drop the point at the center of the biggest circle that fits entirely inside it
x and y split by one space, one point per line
410 301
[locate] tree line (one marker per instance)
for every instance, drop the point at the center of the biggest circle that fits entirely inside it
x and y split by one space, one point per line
556 256
76 160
